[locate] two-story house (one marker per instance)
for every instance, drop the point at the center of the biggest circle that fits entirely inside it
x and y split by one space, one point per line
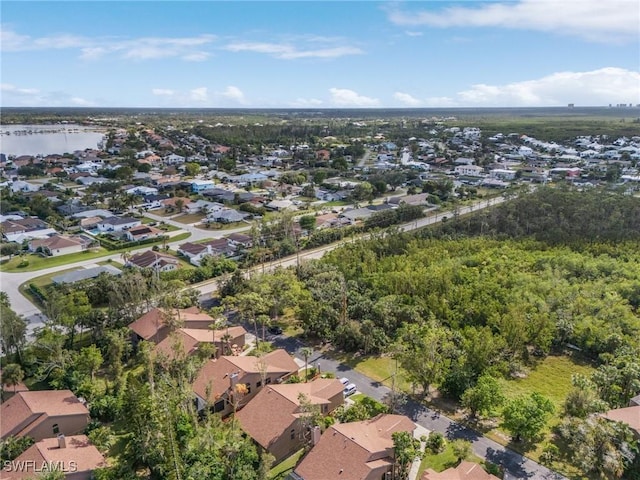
218 380
355 450
153 325
43 414
275 418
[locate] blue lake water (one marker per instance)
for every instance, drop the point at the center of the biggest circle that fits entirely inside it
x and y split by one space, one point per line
47 139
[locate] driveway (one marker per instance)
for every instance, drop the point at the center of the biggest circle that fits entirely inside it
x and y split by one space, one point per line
516 465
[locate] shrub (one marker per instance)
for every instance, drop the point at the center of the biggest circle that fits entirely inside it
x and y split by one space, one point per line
436 442
105 408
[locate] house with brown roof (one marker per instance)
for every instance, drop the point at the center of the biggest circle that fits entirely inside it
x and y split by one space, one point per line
42 414
227 341
74 456
59 245
628 415
159 262
216 384
464 471
25 228
274 419
355 450
143 232
153 325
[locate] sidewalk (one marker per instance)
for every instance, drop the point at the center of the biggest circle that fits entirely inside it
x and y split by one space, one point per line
415 466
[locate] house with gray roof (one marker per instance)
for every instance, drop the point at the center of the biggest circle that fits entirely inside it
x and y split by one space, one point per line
85 274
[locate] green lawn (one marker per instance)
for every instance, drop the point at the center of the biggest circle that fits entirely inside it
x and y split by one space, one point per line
380 369
551 378
442 461
188 218
162 226
37 262
281 470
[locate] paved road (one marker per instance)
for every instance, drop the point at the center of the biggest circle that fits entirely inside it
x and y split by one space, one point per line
516 465
9 282
198 234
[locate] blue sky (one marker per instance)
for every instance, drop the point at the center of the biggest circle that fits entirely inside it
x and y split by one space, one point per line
326 54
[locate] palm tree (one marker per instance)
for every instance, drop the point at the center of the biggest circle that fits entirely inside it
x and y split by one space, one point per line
306 352
226 342
12 375
125 256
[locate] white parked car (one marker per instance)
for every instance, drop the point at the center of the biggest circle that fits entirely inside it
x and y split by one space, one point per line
350 389
345 381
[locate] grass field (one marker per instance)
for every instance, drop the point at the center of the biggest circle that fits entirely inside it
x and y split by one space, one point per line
551 377
380 369
37 262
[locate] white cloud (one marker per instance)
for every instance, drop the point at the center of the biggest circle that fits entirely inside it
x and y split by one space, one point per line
9 88
595 20
343 97
81 102
234 94
15 96
413 34
199 95
162 91
594 88
407 99
196 57
287 51
305 102
143 48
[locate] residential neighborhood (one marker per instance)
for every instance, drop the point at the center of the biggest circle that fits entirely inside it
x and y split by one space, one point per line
174 287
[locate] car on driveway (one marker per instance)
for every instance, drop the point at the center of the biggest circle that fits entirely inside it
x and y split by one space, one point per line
345 381
274 329
350 389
